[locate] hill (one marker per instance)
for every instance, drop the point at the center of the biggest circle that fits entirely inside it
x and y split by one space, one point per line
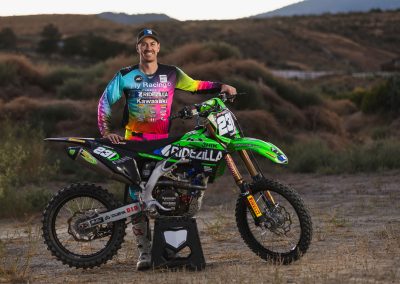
329 42
123 18
318 7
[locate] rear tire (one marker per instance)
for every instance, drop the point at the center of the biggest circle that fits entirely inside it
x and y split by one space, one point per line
64 208
265 248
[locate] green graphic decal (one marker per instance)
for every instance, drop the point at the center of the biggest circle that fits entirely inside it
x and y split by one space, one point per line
88 158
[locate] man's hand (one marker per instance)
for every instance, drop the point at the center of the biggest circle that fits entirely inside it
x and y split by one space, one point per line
114 138
228 89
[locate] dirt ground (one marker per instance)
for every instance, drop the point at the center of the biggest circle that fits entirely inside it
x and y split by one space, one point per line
356 221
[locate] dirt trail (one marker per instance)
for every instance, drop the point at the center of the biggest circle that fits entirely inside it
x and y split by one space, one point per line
356 240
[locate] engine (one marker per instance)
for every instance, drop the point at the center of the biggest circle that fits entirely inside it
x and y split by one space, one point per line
180 190
182 202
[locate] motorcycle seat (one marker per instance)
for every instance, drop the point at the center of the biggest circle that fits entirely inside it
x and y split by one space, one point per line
140 146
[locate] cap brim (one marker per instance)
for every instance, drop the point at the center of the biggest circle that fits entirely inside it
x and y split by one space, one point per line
152 36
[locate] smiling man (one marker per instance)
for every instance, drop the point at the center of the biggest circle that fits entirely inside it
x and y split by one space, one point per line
148 88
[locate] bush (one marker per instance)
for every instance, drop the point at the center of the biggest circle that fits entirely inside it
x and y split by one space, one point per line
50 37
23 162
73 88
222 50
288 90
384 97
92 46
58 76
8 39
47 117
315 156
252 91
8 73
18 70
308 157
202 52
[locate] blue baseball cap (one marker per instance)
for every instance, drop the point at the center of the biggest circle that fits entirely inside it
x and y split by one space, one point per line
147 33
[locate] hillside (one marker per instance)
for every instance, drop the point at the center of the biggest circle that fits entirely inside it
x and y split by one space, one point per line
126 19
318 7
28 28
329 42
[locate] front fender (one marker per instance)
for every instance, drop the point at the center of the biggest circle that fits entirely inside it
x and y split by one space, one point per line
263 148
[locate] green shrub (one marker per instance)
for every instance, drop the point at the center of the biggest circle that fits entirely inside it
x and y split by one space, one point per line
292 92
46 117
19 70
373 100
23 162
384 97
251 90
315 156
379 133
58 76
380 155
308 157
223 50
288 90
73 88
8 73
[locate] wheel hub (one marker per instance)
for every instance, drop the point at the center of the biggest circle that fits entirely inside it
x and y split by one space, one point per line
78 232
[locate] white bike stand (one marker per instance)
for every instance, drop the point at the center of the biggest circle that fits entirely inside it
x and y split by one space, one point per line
176 243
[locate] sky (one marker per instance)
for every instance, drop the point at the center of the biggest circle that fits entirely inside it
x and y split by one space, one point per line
178 9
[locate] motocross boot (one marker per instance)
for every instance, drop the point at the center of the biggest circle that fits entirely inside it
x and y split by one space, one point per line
141 230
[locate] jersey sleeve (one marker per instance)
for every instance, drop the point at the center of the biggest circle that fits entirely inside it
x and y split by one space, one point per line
111 95
185 83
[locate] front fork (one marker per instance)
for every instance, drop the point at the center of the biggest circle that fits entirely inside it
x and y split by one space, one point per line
245 190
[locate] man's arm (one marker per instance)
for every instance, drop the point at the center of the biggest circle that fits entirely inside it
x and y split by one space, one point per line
111 95
186 83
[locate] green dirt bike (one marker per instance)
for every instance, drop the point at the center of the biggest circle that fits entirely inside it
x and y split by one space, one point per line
84 225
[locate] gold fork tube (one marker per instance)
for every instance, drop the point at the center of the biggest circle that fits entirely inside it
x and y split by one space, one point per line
234 170
247 161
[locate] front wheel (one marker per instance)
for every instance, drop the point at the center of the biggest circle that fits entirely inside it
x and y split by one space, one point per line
286 232
76 246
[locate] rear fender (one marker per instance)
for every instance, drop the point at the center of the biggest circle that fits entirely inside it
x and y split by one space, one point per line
263 148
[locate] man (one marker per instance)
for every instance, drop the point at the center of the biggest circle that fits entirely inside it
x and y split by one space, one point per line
149 90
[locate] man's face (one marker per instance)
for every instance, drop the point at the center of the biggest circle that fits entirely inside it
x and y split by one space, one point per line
148 48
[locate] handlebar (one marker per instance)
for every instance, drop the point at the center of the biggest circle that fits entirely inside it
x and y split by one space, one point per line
190 111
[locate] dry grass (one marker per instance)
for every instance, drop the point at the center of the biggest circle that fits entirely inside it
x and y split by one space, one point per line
15 264
350 244
322 119
341 107
266 125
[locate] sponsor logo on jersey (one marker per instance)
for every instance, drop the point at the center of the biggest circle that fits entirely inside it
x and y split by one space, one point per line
151 101
163 78
156 84
153 95
138 78
198 154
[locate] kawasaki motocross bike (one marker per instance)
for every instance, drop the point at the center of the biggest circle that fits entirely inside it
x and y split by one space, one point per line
84 225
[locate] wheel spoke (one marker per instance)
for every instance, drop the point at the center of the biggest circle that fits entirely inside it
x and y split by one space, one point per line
273 234
67 232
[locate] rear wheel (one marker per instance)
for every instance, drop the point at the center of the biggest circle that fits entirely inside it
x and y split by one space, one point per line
286 233
75 246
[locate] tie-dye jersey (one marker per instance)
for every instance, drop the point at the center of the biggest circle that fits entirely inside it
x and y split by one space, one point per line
148 99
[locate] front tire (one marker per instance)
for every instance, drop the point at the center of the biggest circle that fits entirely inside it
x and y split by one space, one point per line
287 232
75 247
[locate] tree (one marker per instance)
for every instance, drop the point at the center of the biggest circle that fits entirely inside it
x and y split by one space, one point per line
50 37
8 39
